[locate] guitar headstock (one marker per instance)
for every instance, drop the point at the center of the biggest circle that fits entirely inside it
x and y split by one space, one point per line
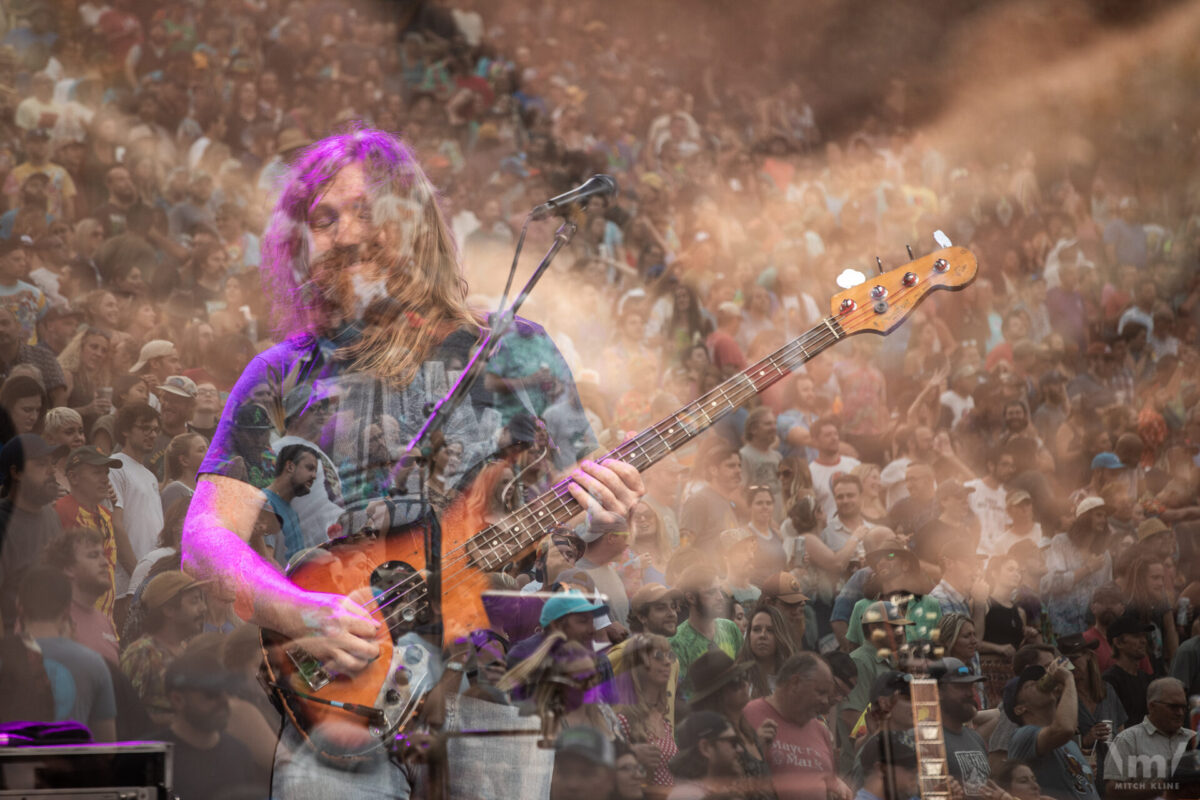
882 302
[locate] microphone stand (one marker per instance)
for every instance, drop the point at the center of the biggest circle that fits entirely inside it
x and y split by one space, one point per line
441 411
444 408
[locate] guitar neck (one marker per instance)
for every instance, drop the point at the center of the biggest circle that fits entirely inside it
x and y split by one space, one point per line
513 535
932 769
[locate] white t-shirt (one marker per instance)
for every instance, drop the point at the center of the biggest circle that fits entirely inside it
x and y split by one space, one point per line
1008 540
892 478
988 505
821 474
137 495
958 404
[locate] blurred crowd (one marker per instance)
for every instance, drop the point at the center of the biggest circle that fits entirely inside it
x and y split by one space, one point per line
1002 494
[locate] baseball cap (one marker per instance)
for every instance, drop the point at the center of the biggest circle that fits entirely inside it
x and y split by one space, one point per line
883 611
651 593
785 587
1151 526
14 243
252 416
165 586
729 307
564 603
953 670
1107 461
889 682
1088 504
1016 497
588 743
88 454
198 671
1033 672
891 748
21 448
1126 623
892 548
699 726
180 385
1073 644
155 348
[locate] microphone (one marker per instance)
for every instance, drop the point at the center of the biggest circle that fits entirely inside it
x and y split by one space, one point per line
594 186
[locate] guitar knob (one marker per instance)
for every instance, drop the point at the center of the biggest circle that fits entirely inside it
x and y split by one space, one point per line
401 676
910 279
878 292
848 305
941 265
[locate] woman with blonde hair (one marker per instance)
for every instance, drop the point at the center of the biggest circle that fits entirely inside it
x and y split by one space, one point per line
873 508
645 687
956 633
86 366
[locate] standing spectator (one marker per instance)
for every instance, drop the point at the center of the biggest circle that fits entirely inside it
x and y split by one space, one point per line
584 764
1046 717
768 644
988 499
182 463
966 753
177 399
87 367
959 399
644 722
79 554
26 302
782 592
83 690
961 579
295 474
889 770
207 760
711 508
307 412
760 457
23 406
1151 749
27 517
138 508
174 613
60 190
883 630
723 348
767 553
705 627
1021 525
39 111
14 350
1077 563
606 540
1107 605
1127 637
157 361
1098 701
122 201
848 524
720 685
87 471
829 462
709 760
801 755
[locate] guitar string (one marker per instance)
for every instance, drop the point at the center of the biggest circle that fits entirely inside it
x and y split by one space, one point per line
509 536
824 336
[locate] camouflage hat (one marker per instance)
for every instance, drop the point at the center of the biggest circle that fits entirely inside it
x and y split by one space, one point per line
252 416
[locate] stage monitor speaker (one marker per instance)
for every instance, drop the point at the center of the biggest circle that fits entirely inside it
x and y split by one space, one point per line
112 771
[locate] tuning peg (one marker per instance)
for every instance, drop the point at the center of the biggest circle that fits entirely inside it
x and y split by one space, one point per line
941 238
911 257
879 264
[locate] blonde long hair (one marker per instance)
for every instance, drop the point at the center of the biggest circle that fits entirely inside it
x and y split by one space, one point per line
424 295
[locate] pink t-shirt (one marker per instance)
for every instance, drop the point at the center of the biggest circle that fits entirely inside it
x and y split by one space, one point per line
801 757
94 630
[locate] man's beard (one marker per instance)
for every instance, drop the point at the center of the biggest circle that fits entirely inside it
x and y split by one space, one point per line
301 489
344 294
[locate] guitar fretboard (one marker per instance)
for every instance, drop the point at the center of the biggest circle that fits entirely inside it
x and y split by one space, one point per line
512 536
932 774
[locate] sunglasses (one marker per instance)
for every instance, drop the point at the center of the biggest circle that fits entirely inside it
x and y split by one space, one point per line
664 656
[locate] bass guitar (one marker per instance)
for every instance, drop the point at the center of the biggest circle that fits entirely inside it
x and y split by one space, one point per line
348 718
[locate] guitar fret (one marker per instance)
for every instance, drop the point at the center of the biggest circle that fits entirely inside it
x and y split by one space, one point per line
829 325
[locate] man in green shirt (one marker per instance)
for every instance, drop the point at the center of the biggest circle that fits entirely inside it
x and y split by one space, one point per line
883 629
706 627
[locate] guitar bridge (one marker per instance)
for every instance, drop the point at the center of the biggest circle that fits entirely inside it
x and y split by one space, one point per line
309 668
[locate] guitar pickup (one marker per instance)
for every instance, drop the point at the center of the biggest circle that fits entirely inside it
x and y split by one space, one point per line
310 669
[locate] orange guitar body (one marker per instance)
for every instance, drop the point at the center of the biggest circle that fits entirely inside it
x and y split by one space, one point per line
385 574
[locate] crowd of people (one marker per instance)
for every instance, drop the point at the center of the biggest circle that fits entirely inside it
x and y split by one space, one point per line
1000 495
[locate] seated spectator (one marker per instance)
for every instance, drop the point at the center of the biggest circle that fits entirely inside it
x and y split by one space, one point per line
1151 749
83 690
